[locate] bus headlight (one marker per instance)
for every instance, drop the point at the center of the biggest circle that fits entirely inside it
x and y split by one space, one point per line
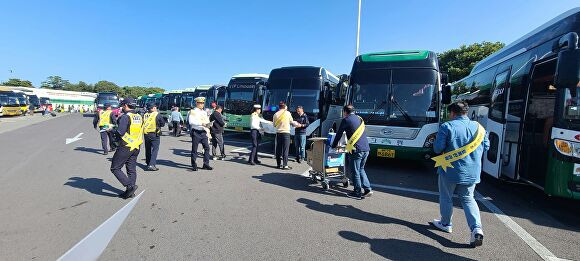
430 140
566 147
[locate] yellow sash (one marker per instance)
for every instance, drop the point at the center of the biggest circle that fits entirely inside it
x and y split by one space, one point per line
444 160
279 120
135 137
105 118
355 136
150 124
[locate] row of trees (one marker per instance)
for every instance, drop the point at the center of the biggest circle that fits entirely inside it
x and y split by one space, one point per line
456 62
58 83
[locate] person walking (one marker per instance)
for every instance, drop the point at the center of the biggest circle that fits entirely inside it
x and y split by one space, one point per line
217 130
358 148
176 121
104 121
199 122
282 120
130 132
153 122
300 124
256 133
461 143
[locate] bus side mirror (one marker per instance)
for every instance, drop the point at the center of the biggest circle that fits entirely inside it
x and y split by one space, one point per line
446 94
444 78
343 78
568 68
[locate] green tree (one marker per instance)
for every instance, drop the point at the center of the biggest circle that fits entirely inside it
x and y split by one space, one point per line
54 82
106 86
457 63
17 82
79 87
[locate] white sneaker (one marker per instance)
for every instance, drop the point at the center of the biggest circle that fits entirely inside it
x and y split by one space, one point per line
437 223
476 237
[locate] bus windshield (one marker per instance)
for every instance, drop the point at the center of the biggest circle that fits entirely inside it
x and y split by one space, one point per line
296 92
402 95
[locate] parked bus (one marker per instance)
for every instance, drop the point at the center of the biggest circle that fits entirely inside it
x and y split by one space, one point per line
216 93
22 101
397 95
313 88
9 104
188 97
169 100
35 102
527 96
243 91
107 97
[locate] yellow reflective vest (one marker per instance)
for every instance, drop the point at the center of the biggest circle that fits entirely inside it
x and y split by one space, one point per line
105 118
134 136
150 124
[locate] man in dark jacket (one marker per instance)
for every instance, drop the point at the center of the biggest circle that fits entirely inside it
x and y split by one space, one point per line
104 122
217 130
358 147
301 124
152 123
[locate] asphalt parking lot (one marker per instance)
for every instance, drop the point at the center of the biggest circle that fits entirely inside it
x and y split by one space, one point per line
54 194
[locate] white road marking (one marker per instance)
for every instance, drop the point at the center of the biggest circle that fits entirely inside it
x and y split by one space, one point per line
534 244
75 138
93 245
247 151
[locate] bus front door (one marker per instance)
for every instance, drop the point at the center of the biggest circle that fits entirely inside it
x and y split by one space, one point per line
496 124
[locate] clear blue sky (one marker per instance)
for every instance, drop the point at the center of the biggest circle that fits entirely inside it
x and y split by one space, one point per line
178 44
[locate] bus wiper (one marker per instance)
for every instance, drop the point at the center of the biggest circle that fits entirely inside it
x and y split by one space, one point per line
398 106
373 113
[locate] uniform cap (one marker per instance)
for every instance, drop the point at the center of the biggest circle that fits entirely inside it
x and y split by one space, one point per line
200 99
107 105
129 101
151 105
257 106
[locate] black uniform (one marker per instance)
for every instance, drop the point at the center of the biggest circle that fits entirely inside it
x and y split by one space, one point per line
217 130
152 141
197 137
106 135
124 156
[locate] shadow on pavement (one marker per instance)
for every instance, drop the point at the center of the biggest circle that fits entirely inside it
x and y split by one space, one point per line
166 163
396 249
358 214
298 182
94 185
92 150
182 152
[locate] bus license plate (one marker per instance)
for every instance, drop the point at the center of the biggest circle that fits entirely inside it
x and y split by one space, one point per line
239 128
386 153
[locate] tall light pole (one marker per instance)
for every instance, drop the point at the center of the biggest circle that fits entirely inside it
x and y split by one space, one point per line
358 28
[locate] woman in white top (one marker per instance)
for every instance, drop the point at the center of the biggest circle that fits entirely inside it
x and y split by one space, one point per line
256 132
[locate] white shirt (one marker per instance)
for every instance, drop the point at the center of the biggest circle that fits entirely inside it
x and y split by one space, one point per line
256 120
197 119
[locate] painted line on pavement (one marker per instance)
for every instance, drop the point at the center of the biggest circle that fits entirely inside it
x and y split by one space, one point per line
533 243
93 245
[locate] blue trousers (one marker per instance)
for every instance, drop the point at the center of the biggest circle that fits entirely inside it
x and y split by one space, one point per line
465 194
300 143
357 163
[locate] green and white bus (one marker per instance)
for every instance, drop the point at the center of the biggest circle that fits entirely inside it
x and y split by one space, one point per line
397 93
527 96
217 94
188 97
242 92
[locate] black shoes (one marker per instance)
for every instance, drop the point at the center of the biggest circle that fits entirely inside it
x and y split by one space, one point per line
105 153
152 168
129 192
251 163
298 160
207 167
355 195
194 168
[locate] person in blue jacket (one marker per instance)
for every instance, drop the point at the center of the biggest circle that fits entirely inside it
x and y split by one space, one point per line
464 174
358 157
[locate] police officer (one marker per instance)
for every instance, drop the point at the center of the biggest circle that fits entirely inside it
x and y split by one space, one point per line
153 121
199 122
130 134
256 133
105 121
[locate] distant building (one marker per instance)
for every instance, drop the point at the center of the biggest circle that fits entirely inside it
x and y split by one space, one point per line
60 97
